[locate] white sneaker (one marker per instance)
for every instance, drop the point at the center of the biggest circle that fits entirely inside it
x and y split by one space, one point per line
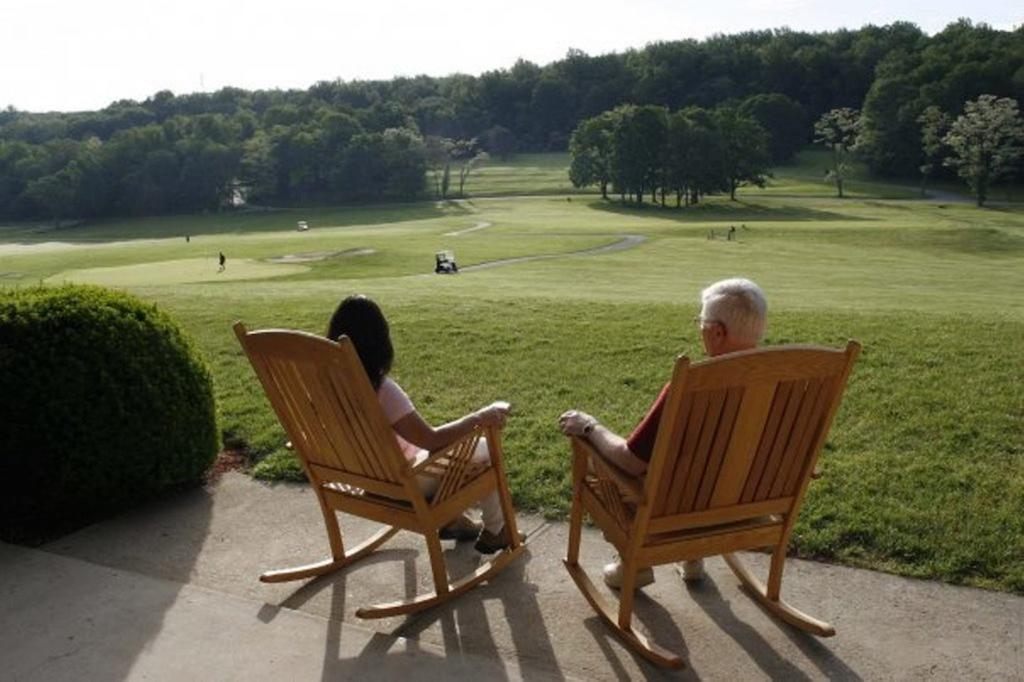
613 575
693 571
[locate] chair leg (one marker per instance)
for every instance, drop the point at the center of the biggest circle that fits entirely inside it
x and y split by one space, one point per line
437 565
763 595
639 643
626 593
778 564
508 511
579 471
575 531
333 529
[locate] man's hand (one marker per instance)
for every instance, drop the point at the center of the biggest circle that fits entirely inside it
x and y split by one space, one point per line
576 423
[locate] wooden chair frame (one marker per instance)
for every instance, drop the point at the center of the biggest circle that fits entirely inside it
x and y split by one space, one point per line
349 453
738 442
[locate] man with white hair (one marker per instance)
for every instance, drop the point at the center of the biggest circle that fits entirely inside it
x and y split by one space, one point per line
732 318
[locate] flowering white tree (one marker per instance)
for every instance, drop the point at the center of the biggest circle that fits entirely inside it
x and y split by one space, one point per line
985 142
838 130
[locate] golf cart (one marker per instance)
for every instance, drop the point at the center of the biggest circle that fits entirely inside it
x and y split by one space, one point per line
445 263
302 226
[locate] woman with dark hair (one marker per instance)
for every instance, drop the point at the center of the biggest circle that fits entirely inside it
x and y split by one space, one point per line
362 321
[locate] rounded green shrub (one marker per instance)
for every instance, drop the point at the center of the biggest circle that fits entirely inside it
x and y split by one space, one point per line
104 402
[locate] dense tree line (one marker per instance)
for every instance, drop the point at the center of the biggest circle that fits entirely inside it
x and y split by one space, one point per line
369 140
957 65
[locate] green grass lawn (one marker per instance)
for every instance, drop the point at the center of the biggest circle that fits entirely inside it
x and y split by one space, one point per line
924 469
522 174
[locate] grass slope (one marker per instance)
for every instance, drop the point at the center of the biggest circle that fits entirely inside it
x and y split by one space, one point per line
924 470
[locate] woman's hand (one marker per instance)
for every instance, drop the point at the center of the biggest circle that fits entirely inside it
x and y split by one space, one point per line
576 423
494 414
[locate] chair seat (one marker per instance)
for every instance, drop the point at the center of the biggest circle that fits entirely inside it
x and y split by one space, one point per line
355 491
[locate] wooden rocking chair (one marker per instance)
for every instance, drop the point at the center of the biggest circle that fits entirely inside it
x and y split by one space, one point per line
737 444
328 408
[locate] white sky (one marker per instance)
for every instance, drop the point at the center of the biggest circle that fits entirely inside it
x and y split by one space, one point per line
83 54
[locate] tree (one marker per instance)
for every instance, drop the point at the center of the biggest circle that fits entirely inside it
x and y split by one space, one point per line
53 194
985 142
405 162
590 148
889 129
437 151
294 145
679 155
478 159
746 158
837 129
208 171
465 152
706 174
784 119
499 141
934 126
638 142
552 111
363 170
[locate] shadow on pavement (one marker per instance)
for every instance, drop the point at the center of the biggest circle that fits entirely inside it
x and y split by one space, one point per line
161 539
707 596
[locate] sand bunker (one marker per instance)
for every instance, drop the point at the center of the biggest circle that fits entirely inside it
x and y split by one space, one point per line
627 242
312 256
481 225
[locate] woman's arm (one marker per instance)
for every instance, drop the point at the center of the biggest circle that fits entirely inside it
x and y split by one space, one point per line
413 428
608 444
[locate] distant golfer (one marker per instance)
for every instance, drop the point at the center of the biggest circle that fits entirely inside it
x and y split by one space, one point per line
223 260
187 239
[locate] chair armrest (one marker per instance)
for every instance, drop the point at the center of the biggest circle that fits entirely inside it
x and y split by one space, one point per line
631 487
447 450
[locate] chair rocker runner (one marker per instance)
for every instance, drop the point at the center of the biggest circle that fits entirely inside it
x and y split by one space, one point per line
737 445
349 453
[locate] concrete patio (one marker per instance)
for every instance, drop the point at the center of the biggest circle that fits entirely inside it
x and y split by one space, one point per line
170 592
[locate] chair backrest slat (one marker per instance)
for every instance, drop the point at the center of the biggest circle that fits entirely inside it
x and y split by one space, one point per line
361 445
687 429
780 394
718 462
710 436
746 429
325 403
308 434
323 447
364 453
329 443
332 403
781 441
812 409
738 456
